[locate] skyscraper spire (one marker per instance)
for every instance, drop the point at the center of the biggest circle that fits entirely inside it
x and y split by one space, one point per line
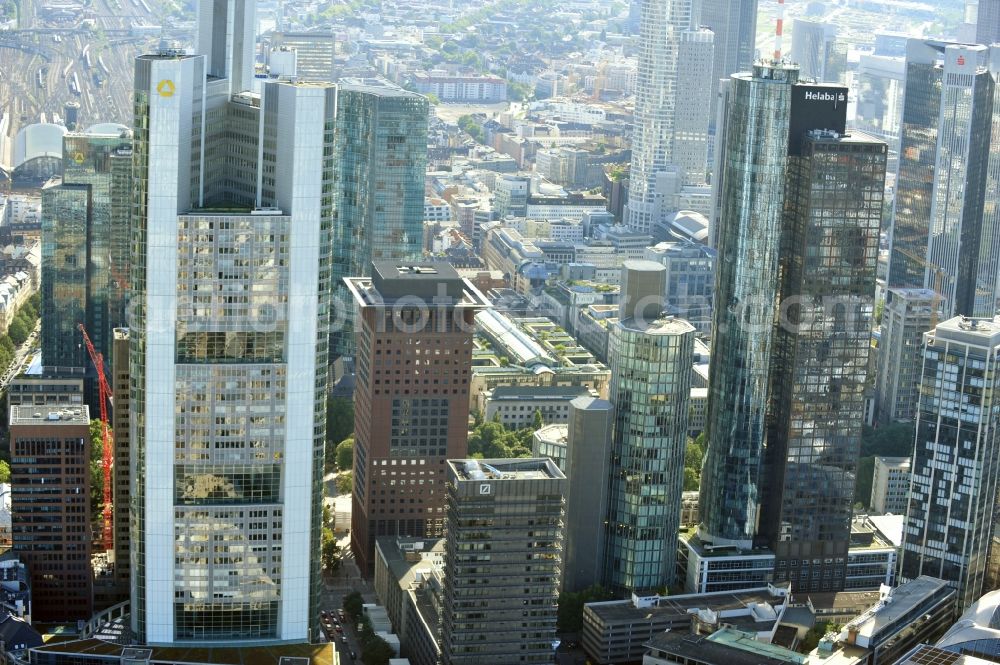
779 28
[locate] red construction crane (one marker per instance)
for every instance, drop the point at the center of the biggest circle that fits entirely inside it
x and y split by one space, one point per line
107 531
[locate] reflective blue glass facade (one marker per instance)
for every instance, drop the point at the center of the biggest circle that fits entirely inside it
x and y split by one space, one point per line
753 184
380 152
650 388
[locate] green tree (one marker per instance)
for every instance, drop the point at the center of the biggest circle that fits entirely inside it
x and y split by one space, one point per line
327 515
537 422
377 652
345 454
96 469
569 617
693 455
892 440
691 480
354 605
345 483
17 331
815 634
339 426
491 440
339 419
519 92
329 551
4 472
29 312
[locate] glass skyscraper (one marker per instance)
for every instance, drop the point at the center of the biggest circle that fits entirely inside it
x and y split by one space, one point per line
228 346
746 294
66 212
820 356
651 364
988 22
801 208
734 23
956 458
946 231
660 26
380 149
85 223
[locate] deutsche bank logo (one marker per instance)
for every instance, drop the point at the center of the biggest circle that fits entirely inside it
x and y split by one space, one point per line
813 96
485 488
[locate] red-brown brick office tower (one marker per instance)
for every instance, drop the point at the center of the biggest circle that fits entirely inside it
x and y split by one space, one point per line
50 507
413 365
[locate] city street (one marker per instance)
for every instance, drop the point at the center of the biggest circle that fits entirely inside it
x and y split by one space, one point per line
335 587
21 355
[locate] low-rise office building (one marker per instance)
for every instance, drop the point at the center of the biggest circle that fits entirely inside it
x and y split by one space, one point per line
871 561
551 441
515 406
912 613
872 556
617 631
728 646
46 390
529 351
401 563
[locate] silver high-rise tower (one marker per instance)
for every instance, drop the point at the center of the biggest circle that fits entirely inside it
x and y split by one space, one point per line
660 26
946 228
734 23
651 358
228 342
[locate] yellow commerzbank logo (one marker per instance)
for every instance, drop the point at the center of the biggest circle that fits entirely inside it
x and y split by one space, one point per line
78 158
165 88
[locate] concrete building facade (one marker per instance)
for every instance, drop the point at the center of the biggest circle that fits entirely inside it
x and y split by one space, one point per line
907 315
503 559
891 485
956 458
231 283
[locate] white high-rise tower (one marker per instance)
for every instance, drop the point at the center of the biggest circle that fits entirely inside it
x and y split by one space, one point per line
661 23
228 342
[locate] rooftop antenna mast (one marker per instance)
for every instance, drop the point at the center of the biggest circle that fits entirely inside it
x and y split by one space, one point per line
779 26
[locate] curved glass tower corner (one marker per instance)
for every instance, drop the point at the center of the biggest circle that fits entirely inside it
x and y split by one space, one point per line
753 182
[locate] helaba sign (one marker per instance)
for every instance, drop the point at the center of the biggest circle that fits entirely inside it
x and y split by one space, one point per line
816 107
819 96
